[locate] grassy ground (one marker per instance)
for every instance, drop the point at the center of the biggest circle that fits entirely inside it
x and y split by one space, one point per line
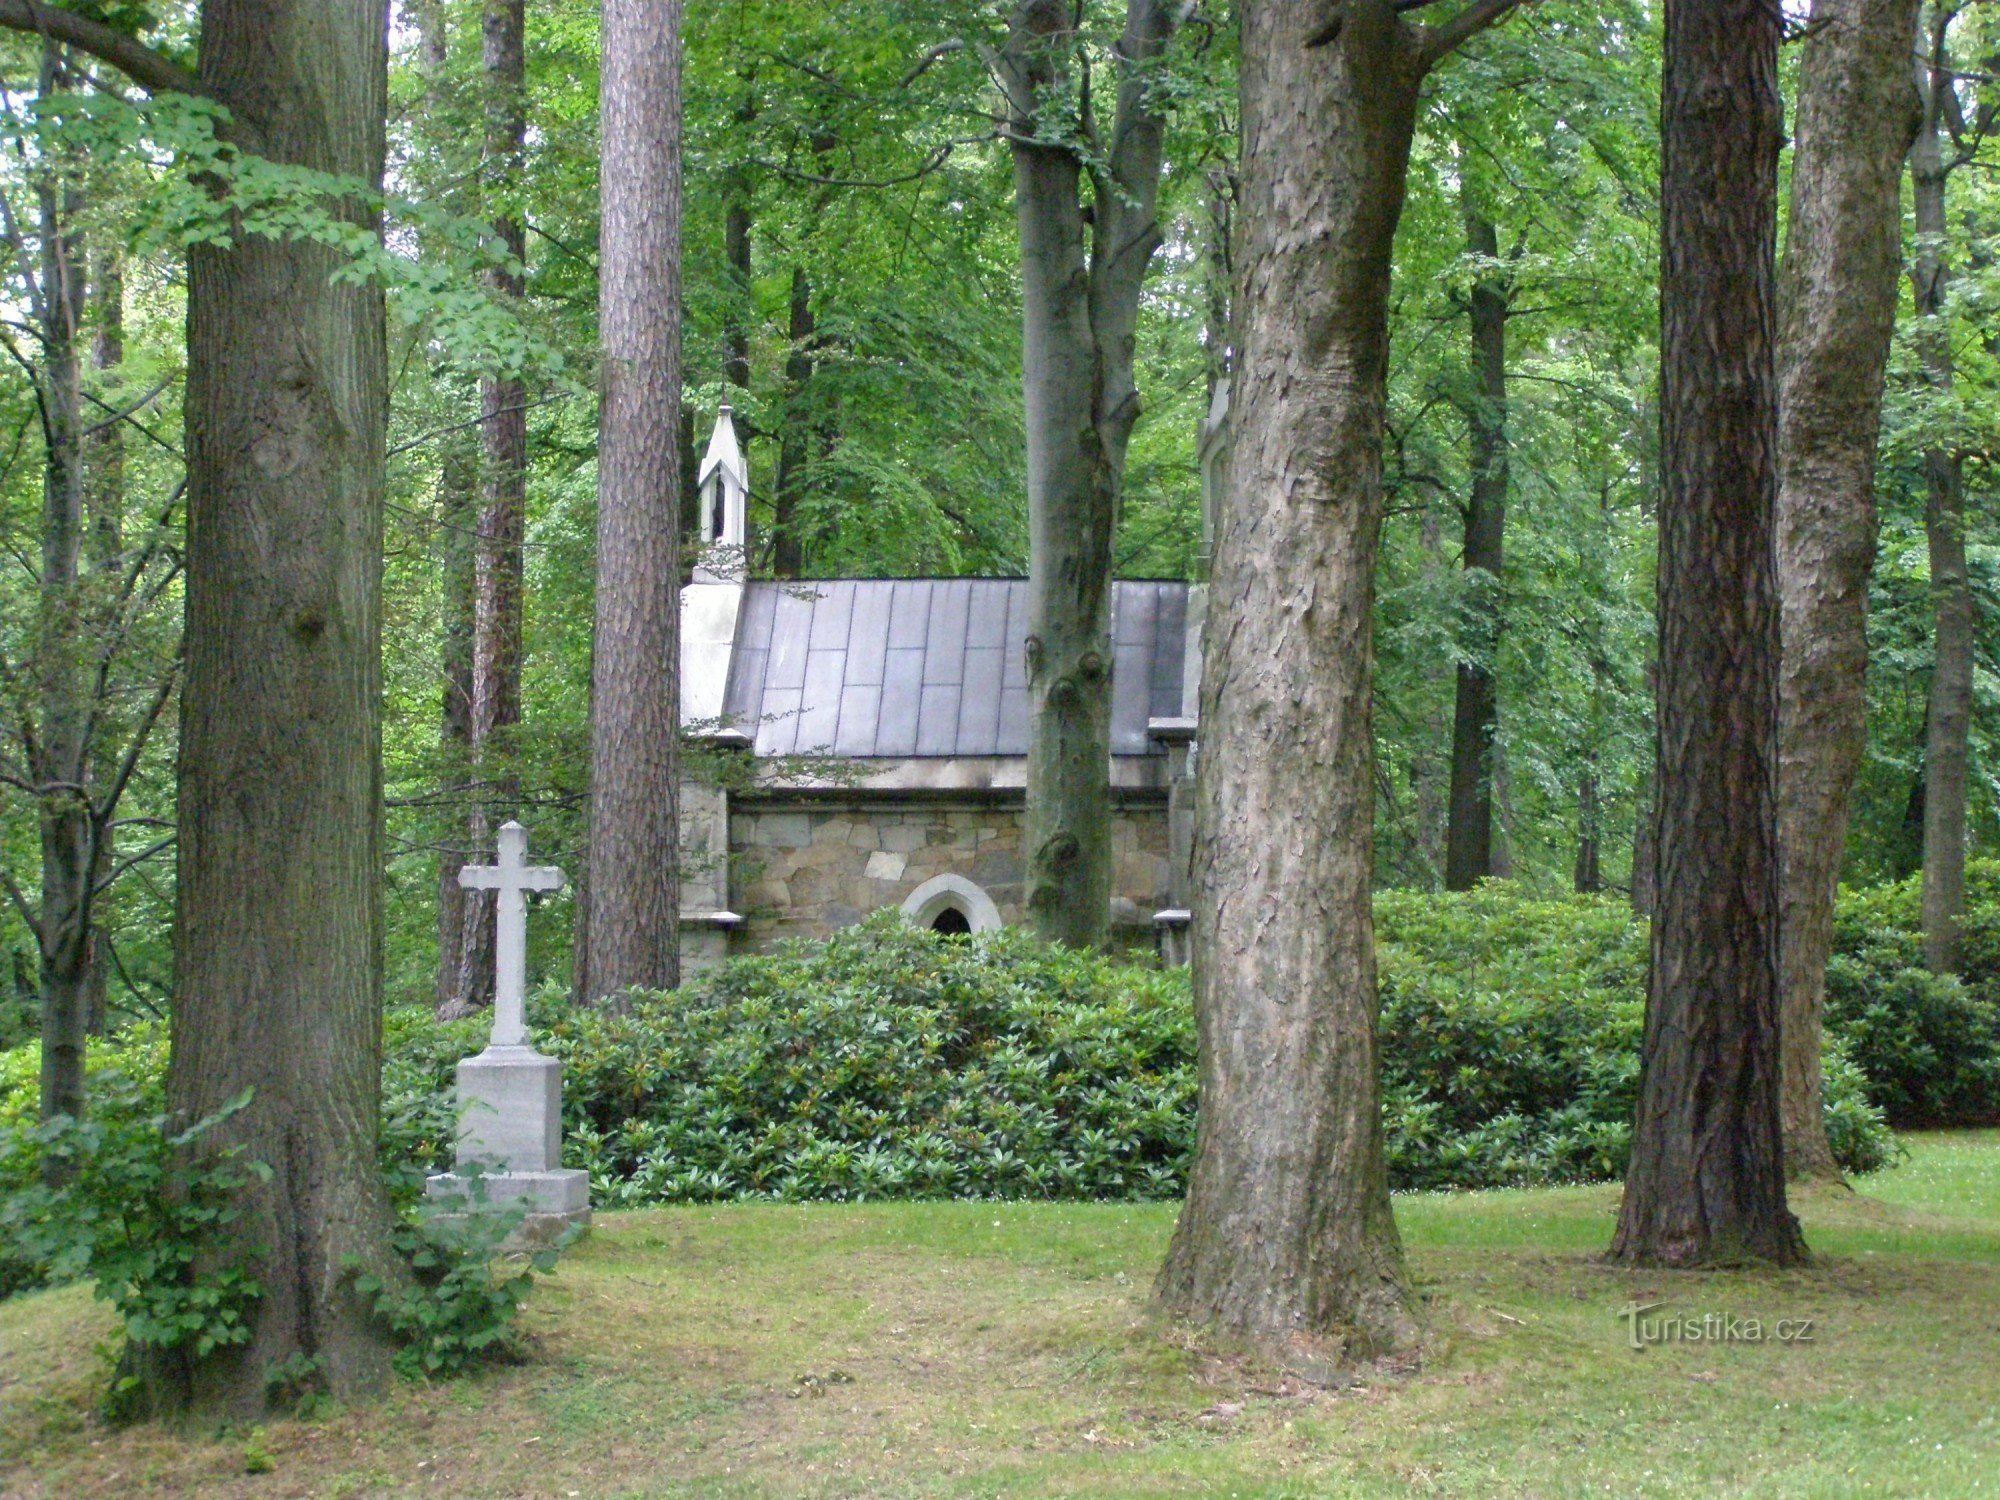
980 1350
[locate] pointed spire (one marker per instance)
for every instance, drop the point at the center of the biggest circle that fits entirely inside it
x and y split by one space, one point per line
724 491
724 451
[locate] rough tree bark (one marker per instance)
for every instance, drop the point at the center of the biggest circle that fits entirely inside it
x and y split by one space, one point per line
1476 714
62 754
1080 311
1706 1183
1287 1233
1857 116
632 936
1947 751
277 937
503 515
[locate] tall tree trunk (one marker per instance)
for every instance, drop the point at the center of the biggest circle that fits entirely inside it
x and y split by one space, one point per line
1706 1183
1476 717
458 539
67 831
794 446
1857 115
737 224
1588 877
1432 772
278 937
503 518
633 935
1287 1233
1080 311
1947 749
104 507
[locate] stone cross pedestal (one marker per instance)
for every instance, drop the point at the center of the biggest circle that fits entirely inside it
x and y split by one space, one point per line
510 1095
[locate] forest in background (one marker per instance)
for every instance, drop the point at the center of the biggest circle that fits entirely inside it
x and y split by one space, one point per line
851 287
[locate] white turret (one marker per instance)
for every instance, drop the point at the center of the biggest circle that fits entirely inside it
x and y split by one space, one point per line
724 488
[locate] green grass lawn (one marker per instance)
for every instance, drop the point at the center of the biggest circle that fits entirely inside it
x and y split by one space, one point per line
986 1350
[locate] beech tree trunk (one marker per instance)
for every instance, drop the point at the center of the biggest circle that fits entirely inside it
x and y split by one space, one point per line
632 936
1947 751
1080 312
63 648
1706 1183
277 941
503 517
1287 1234
1857 116
1476 716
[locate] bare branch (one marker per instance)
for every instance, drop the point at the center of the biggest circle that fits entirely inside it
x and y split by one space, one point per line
20 901
137 404
141 732
1448 36
153 71
125 865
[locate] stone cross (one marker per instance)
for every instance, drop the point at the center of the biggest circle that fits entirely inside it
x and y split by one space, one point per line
510 880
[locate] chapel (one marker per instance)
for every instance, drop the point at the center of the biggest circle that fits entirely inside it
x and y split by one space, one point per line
884 726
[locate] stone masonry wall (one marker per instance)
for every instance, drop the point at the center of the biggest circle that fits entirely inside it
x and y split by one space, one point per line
803 872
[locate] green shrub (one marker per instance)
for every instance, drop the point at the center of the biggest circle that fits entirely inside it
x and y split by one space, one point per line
137 1219
1511 1029
126 1081
456 1306
887 1062
891 1062
151 1223
1929 1045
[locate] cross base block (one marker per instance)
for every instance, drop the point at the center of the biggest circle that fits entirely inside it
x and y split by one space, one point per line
555 1201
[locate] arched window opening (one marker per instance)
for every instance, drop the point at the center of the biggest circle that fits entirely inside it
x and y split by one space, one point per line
951 904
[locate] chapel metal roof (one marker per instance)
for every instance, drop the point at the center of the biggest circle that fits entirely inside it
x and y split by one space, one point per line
930 666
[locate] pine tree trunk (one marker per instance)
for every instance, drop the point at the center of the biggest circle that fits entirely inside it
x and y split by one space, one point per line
1856 118
1476 717
1287 1233
794 447
1080 313
278 938
68 844
503 518
633 935
1947 750
1706 1183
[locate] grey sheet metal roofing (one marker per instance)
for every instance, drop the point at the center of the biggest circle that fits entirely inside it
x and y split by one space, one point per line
930 666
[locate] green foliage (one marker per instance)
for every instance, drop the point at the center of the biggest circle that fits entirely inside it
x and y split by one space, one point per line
456 1306
1511 1030
891 1062
120 1197
1929 1044
888 1062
